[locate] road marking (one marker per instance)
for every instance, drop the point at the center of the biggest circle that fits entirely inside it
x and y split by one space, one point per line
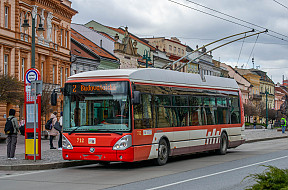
16 175
193 179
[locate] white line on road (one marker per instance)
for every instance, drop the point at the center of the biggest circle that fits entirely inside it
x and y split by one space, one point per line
16 175
192 179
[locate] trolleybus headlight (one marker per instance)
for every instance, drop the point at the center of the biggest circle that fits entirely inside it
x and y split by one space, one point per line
66 144
123 143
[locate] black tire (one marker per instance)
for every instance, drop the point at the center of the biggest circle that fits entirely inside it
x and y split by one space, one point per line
223 144
163 153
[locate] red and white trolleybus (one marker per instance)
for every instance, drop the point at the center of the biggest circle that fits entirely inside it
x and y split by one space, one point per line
139 114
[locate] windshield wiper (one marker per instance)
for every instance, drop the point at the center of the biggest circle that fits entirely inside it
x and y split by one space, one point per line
74 130
105 130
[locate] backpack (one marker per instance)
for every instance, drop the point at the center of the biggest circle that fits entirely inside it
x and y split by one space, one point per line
9 129
48 125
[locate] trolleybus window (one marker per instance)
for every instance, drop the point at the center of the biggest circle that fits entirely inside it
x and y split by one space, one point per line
97 106
143 113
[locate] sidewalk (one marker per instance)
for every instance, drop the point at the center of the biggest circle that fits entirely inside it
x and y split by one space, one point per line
52 159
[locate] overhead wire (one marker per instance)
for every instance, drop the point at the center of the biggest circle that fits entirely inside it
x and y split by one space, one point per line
235 18
224 19
252 50
241 50
280 4
210 39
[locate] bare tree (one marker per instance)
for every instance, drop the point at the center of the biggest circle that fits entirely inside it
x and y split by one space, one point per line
46 99
11 90
272 114
249 110
46 107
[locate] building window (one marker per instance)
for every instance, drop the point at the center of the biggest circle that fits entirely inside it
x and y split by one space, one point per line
101 43
178 50
170 47
174 49
5 70
53 74
66 39
55 34
61 37
183 51
6 16
61 76
21 21
22 69
66 74
42 70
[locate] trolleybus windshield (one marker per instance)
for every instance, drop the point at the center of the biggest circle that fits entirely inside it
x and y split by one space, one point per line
97 107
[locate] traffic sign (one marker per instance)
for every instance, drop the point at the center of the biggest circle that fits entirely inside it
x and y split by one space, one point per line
31 75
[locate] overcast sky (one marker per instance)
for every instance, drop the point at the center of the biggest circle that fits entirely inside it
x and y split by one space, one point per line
195 25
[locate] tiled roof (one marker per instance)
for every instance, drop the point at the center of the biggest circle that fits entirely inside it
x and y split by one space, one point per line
75 50
175 58
91 46
121 31
108 36
176 42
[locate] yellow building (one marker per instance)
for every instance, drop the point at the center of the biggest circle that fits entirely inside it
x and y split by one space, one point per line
262 84
52 57
254 79
266 86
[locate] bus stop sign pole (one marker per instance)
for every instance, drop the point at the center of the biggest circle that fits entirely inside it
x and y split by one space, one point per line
36 89
32 112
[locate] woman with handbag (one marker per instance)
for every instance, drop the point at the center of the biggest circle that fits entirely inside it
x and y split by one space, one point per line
53 132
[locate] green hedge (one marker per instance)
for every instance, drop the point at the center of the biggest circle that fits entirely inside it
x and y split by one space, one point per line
272 178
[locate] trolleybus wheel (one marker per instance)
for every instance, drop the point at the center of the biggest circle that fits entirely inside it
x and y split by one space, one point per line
163 153
223 144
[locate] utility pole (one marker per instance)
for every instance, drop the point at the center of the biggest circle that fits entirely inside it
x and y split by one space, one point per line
266 93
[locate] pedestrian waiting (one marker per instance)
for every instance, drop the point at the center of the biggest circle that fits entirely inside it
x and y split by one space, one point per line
11 130
283 123
60 131
255 122
53 132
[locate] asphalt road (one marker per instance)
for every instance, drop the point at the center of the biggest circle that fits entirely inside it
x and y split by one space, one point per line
201 171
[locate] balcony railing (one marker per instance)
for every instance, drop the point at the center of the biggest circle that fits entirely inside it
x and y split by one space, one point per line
24 37
40 41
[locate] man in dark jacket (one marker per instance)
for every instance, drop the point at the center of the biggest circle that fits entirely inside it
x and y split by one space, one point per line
12 138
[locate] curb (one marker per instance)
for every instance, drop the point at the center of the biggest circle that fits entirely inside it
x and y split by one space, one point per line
265 139
66 164
46 166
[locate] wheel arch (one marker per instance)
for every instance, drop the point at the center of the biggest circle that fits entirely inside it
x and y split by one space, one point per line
164 137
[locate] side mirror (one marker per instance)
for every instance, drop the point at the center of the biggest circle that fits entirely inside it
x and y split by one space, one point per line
54 98
136 97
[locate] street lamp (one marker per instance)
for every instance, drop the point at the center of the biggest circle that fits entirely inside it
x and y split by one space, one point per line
40 30
147 57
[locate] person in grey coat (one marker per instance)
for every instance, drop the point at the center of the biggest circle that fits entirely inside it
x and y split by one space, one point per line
12 138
